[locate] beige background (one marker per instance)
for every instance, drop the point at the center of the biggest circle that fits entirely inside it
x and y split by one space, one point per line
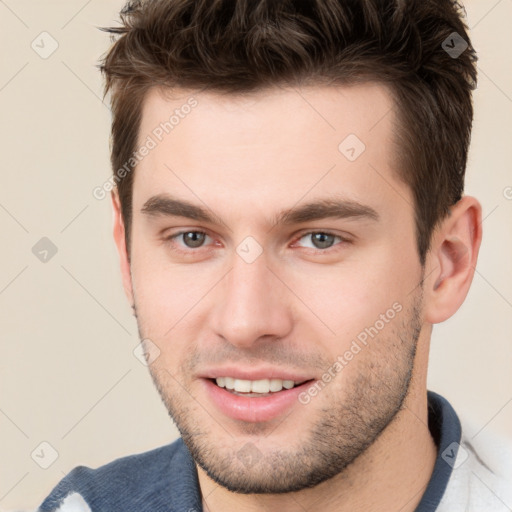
68 375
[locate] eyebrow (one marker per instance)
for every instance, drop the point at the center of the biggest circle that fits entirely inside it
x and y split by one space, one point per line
165 205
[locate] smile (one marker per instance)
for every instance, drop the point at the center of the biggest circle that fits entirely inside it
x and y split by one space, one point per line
260 387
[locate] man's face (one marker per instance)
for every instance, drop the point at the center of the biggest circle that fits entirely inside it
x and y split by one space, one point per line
324 298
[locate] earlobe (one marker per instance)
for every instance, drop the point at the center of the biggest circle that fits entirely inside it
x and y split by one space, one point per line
452 260
120 241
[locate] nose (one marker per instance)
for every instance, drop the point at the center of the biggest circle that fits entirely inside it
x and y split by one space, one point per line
253 305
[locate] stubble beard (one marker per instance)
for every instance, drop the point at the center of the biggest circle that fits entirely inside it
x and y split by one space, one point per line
344 430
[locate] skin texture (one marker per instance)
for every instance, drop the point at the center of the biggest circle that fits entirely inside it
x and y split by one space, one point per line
362 442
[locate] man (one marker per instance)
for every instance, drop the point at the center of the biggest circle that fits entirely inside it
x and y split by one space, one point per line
290 220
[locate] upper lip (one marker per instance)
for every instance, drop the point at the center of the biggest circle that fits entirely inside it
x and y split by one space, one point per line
255 374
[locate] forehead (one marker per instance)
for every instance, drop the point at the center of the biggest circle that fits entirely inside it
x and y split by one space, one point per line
274 145
261 116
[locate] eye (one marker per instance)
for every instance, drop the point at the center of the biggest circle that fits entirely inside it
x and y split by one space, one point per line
320 240
190 239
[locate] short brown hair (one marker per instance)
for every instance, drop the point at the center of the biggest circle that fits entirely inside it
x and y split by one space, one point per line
241 46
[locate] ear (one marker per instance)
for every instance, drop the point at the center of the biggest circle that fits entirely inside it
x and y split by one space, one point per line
120 240
451 261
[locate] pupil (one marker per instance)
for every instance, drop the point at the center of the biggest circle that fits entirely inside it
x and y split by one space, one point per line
322 240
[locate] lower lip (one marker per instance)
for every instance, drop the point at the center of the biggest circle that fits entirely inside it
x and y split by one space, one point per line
254 409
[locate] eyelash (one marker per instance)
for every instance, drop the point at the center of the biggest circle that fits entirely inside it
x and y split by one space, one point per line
170 239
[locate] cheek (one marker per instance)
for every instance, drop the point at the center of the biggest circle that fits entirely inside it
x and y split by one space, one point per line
343 300
162 317
158 293
172 300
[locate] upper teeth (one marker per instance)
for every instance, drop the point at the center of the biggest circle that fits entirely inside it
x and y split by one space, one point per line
254 386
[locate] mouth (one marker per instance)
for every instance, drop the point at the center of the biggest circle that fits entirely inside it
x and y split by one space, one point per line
255 388
255 401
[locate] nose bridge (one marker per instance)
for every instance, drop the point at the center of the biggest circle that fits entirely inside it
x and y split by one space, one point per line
250 280
251 303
